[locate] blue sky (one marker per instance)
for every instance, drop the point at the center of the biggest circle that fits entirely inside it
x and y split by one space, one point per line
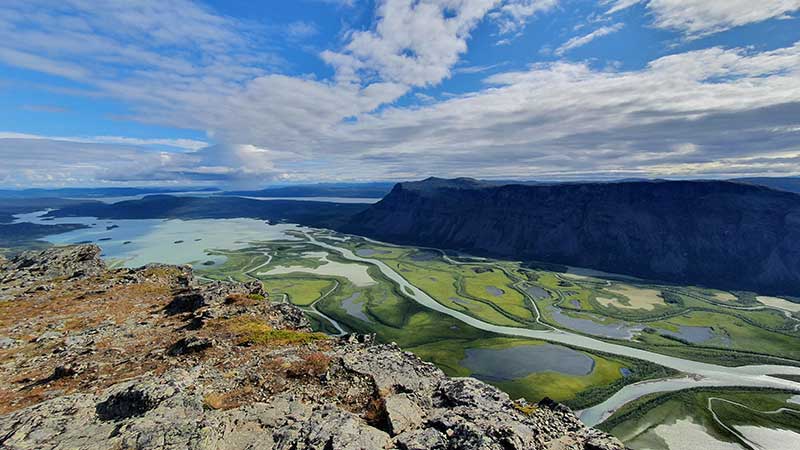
241 93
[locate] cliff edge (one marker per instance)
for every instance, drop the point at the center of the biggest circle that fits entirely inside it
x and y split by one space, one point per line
150 358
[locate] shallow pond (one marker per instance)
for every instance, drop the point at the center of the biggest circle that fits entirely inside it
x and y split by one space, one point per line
614 330
685 434
770 438
355 309
459 301
424 256
695 335
494 291
356 273
371 252
537 292
520 361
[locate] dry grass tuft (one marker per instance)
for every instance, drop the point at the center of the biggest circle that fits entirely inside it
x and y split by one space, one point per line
228 400
311 365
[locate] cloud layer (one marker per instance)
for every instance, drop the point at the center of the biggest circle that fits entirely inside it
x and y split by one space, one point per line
702 17
711 112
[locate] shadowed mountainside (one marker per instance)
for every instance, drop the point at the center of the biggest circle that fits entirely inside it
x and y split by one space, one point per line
716 233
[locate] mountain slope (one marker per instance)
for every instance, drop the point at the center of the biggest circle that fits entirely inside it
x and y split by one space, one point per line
149 358
724 234
790 184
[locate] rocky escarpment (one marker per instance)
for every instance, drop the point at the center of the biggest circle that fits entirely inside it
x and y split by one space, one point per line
714 233
151 359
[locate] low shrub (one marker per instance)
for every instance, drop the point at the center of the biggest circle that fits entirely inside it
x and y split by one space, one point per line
310 365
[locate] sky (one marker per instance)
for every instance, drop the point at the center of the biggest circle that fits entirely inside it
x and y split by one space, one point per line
241 93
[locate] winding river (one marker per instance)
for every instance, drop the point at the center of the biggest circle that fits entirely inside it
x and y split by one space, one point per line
697 374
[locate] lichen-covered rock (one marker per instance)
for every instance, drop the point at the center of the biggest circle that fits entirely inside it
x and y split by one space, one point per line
152 359
35 269
403 413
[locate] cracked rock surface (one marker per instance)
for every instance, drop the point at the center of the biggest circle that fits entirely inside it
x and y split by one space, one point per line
150 359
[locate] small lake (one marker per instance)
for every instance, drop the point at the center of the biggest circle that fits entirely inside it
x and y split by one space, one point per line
537 292
354 309
695 335
424 256
497 292
613 330
366 252
512 363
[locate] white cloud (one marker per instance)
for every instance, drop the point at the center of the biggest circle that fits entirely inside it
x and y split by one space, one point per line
619 5
700 17
40 160
400 48
513 15
580 41
301 30
184 144
705 112
697 18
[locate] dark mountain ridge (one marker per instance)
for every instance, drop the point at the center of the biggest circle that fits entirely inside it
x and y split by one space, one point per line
791 184
715 233
93 192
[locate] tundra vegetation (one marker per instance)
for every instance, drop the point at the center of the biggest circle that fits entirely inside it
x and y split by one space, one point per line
723 414
691 322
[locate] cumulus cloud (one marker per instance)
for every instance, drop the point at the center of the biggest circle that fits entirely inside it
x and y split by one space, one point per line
697 18
580 41
683 115
400 48
40 160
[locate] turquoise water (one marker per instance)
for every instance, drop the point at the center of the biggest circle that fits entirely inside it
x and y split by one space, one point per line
138 242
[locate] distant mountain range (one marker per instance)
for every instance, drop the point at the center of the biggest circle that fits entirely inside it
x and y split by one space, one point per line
318 214
93 192
345 190
731 235
9 207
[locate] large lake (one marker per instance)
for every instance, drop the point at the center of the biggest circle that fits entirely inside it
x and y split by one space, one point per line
134 243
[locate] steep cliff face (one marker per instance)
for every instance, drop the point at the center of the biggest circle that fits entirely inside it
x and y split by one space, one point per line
721 234
149 358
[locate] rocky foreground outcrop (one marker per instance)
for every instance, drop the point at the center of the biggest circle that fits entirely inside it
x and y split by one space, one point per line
151 359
